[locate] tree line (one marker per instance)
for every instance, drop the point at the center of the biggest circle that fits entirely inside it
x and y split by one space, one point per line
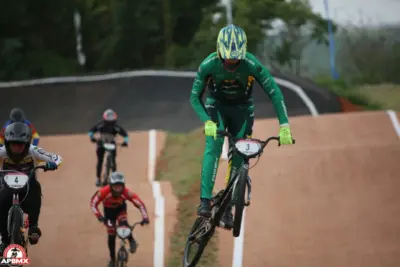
38 38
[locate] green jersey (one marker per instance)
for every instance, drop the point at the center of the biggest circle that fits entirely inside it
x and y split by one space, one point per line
234 87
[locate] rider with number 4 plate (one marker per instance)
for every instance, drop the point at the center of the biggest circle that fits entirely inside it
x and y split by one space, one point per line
107 126
18 154
229 74
114 196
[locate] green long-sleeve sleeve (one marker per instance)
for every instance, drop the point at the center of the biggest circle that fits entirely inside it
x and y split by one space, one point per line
198 89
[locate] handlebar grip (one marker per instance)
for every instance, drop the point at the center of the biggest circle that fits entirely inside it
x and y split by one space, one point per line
293 140
223 133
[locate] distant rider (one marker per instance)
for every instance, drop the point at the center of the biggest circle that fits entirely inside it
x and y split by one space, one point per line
114 196
17 115
107 128
18 154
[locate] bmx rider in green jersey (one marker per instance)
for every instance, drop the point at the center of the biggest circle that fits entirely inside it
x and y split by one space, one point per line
229 74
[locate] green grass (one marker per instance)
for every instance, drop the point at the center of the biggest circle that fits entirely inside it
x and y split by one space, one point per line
387 96
180 164
354 93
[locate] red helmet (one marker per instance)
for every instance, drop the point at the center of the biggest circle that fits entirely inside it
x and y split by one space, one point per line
109 115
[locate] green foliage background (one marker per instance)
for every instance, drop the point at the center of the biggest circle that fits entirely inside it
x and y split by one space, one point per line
37 38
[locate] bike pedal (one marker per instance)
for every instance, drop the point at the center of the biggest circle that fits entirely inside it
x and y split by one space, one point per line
247 203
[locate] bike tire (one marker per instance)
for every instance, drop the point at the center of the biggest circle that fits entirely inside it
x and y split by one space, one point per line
239 201
122 260
203 243
15 223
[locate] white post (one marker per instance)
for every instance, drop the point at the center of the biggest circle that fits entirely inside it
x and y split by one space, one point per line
229 17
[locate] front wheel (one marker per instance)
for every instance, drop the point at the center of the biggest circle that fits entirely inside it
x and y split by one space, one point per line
122 258
15 225
201 232
239 197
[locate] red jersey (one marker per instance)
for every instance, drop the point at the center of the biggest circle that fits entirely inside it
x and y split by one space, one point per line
104 196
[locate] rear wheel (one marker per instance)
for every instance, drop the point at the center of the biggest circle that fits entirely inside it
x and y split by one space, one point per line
107 170
197 240
239 198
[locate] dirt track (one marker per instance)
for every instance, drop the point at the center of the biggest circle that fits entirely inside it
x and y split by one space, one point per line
71 234
331 200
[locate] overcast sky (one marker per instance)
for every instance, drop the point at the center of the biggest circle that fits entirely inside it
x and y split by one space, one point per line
359 12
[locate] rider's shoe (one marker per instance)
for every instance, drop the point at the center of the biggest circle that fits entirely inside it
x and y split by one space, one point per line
204 210
227 218
133 246
98 182
34 234
111 263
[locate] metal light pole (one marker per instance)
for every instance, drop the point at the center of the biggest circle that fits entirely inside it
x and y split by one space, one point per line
335 75
229 16
229 19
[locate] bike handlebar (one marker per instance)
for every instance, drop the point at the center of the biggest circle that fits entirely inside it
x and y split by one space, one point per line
264 143
115 143
130 226
43 167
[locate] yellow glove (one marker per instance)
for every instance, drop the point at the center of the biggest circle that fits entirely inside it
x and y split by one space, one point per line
285 136
210 129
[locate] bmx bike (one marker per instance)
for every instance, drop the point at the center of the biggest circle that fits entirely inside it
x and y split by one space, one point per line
123 232
235 193
107 141
17 226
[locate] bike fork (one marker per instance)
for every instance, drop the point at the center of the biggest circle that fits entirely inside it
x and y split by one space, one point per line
248 182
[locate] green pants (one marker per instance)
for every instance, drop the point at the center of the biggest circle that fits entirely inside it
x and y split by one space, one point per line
238 120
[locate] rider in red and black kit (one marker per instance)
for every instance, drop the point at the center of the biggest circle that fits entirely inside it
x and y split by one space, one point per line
114 196
107 126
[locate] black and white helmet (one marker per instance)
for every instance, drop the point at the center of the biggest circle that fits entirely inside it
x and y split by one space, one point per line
17 133
117 178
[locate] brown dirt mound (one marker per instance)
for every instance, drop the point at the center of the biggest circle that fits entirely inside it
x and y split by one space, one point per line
71 234
331 200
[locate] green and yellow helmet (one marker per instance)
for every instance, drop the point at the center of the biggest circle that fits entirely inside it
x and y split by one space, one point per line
232 43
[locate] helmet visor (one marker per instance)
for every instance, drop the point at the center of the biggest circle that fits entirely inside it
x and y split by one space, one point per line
117 188
17 148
